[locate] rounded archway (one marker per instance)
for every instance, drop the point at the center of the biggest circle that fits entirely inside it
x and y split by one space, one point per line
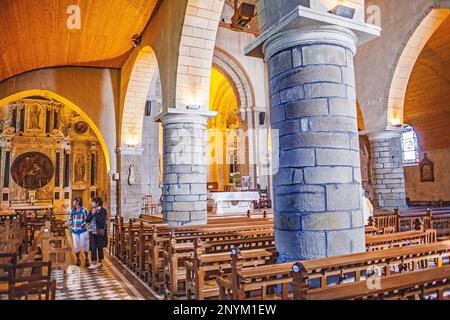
132 115
418 38
232 97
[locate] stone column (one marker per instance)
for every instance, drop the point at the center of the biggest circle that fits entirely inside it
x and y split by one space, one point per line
184 172
317 189
388 178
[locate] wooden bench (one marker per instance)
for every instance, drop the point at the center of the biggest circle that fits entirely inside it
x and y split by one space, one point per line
386 241
418 285
203 268
160 239
335 271
160 242
179 253
267 282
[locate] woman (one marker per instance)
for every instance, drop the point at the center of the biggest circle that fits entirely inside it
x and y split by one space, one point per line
97 232
77 225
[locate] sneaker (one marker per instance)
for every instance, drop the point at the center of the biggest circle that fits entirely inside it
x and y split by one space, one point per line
78 263
93 266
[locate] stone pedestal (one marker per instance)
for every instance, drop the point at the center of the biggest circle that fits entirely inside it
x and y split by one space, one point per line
184 171
317 188
388 179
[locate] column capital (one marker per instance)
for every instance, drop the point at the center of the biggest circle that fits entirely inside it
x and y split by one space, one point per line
310 34
383 134
130 150
303 19
172 116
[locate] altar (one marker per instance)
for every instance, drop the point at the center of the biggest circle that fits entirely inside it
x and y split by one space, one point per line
234 202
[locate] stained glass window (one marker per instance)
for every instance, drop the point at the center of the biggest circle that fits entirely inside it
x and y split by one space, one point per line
410 147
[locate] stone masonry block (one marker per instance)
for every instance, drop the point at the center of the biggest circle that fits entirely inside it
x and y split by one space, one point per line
324 54
328 175
342 197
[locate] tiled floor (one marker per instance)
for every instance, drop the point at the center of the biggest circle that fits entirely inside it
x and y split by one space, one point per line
105 283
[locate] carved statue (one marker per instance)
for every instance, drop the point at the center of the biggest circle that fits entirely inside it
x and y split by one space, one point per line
35 115
131 175
365 163
80 168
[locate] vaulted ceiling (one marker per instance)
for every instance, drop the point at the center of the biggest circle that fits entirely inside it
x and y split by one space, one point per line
34 34
427 105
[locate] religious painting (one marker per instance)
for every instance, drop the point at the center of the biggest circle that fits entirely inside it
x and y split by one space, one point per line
32 170
81 127
80 168
426 169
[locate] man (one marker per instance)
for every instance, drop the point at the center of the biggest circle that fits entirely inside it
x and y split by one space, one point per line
77 224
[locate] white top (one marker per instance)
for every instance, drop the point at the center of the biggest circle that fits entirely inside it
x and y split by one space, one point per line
235 196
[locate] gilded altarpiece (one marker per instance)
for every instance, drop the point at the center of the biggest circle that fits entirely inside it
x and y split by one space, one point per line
49 154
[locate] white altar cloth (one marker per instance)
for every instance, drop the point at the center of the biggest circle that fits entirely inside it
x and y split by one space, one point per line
234 202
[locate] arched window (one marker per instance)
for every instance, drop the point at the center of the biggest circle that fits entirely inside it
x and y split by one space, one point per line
410 147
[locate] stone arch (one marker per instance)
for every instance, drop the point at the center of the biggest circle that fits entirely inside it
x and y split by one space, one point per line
196 53
143 74
52 95
237 77
409 53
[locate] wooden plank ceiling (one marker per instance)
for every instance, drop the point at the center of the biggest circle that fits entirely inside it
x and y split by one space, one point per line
34 34
427 105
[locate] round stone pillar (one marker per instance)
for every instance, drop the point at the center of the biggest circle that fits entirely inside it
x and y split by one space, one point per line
317 183
388 178
184 171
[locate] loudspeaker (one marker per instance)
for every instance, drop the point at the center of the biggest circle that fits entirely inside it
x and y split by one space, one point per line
262 118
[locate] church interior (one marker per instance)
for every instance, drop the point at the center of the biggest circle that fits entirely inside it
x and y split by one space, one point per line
224 150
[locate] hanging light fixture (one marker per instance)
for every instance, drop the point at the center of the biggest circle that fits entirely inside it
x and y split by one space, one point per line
242 15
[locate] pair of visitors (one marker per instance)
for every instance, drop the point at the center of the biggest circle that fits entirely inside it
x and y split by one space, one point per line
96 218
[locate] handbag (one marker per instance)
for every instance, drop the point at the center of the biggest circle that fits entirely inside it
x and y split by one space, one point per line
101 232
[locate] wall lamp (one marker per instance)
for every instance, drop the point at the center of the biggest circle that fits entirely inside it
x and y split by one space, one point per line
136 40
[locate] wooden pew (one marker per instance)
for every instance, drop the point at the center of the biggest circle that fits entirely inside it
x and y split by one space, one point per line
203 268
159 241
181 252
382 242
416 285
56 249
321 273
261 281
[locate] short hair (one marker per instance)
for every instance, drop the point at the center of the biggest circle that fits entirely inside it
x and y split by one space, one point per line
98 201
79 201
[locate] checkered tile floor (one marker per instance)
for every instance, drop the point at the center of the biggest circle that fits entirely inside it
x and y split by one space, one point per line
85 284
104 283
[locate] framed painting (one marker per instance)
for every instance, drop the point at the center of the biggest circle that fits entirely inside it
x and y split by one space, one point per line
426 169
32 170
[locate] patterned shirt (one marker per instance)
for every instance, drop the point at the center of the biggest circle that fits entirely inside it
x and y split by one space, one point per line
77 220
93 226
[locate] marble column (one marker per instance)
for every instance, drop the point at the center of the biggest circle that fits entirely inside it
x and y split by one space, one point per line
184 171
388 178
317 187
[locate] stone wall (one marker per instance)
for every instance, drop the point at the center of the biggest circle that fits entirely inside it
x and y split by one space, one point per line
430 191
388 176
